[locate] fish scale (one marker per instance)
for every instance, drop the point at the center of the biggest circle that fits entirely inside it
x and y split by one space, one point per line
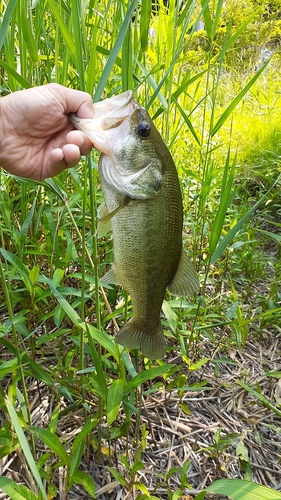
143 200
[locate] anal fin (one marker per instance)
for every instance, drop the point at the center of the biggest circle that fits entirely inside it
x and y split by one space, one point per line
185 281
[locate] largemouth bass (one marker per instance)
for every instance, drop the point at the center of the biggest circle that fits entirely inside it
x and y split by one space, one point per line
143 200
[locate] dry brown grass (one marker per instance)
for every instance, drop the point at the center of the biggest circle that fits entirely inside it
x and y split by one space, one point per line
176 436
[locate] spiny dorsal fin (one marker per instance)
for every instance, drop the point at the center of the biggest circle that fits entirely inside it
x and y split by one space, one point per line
185 281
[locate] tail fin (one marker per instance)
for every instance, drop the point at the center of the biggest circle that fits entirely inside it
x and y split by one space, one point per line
150 341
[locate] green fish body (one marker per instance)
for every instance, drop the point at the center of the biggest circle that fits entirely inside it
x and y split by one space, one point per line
143 200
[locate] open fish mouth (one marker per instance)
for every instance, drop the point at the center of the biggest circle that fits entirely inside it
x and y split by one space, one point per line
116 106
109 114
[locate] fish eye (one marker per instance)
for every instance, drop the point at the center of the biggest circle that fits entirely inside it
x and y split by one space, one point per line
143 129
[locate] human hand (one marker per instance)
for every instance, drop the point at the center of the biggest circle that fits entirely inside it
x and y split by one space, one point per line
37 140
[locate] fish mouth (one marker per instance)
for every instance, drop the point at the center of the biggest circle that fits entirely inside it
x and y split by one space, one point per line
109 114
116 106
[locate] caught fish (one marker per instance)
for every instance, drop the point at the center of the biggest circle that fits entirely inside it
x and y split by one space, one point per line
143 201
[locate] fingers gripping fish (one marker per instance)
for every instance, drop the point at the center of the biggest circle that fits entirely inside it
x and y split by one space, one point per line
143 199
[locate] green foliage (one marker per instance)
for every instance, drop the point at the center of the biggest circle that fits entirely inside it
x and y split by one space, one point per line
25 448
241 490
16 491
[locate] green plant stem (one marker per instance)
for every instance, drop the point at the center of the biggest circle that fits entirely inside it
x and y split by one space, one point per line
93 208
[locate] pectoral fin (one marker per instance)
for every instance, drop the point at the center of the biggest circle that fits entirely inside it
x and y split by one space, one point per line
104 226
107 216
104 217
185 281
111 277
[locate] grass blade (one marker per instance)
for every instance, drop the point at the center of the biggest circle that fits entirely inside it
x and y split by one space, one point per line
86 429
275 236
187 120
16 491
65 32
29 39
25 446
207 19
223 206
101 379
77 18
239 489
144 23
52 441
6 19
105 340
86 481
260 397
230 235
35 368
115 51
91 69
237 99
72 314
240 30
17 263
114 398
152 84
217 16
146 375
25 84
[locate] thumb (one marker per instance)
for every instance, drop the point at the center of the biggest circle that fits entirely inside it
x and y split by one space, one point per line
73 101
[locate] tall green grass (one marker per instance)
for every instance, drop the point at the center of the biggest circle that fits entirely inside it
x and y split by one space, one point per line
51 261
